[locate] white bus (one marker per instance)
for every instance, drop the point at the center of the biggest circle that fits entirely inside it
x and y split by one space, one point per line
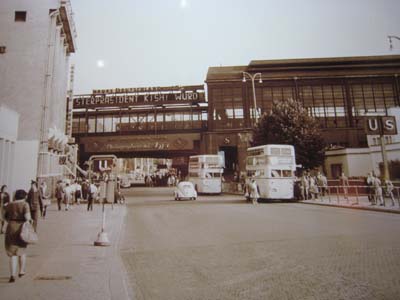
273 167
205 172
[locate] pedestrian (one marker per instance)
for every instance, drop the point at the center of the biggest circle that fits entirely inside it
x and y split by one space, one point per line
35 203
16 213
253 191
370 188
322 182
344 182
59 192
85 189
389 190
297 188
67 195
45 198
313 187
304 185
78 192
4 200
378 191
72 187
92 196
243 182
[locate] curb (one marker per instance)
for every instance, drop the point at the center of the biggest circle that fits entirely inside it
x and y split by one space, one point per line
354 207
119 284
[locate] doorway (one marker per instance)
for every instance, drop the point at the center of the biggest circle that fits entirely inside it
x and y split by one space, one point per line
231 159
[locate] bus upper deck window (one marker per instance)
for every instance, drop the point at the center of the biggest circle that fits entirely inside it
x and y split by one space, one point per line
275 173
287 173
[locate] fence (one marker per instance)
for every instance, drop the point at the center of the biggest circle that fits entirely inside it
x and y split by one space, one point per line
339 194
356 195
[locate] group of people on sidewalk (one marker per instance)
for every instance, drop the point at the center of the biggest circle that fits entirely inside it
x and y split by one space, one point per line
29 206
75 192
309 186
375 190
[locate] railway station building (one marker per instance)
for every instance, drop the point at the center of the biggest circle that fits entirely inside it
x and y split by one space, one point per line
176 122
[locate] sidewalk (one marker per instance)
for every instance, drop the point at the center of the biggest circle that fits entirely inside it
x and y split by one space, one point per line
65 264
360 202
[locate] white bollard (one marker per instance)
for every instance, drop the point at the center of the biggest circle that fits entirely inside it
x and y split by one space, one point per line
102 237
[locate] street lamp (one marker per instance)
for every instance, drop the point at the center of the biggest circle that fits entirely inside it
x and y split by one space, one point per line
390 37
253 78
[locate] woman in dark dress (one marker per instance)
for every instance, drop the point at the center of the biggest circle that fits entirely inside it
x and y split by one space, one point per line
4 200
16 214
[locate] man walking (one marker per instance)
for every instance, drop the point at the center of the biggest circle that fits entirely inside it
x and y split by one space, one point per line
304 184
35 203
378 191
344 182
322 183
67 195
253 191
59 192
92 195
369 181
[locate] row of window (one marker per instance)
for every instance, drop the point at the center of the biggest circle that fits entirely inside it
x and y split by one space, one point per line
139 122
275 173
327 102
207 175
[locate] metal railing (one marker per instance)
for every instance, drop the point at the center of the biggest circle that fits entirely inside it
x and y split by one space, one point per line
339 194
356 195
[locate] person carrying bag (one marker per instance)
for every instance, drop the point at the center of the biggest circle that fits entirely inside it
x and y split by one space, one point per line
17 213
28 234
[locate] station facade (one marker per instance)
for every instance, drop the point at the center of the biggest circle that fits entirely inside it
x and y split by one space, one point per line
175 122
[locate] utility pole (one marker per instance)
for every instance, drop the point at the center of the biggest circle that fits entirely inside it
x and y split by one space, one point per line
253 78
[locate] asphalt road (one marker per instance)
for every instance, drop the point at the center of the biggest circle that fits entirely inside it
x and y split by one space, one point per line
220 247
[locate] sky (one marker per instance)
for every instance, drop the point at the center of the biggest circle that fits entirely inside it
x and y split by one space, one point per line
146 43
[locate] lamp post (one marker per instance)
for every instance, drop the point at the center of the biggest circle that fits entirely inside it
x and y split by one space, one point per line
390 37
253 78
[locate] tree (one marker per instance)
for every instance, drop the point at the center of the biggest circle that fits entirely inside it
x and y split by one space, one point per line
289 123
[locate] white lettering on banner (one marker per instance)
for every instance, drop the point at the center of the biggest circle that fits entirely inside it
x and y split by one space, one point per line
146 98
186 96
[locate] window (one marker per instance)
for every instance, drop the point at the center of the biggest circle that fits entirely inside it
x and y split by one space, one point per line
20 16
276 173
287 173
92 124
100 123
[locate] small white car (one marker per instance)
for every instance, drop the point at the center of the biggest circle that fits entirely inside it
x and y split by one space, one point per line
185 190
125 181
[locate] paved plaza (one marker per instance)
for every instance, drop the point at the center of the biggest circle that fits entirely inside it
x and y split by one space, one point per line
220 247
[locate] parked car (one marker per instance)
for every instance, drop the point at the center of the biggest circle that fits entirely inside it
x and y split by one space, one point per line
185 190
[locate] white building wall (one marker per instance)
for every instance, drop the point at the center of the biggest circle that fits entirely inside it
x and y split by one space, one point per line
37 64
8 136
25 163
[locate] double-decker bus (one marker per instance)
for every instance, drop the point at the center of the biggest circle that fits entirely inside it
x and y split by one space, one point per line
205 172
272 167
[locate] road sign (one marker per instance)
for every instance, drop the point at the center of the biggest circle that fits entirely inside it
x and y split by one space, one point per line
378 125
